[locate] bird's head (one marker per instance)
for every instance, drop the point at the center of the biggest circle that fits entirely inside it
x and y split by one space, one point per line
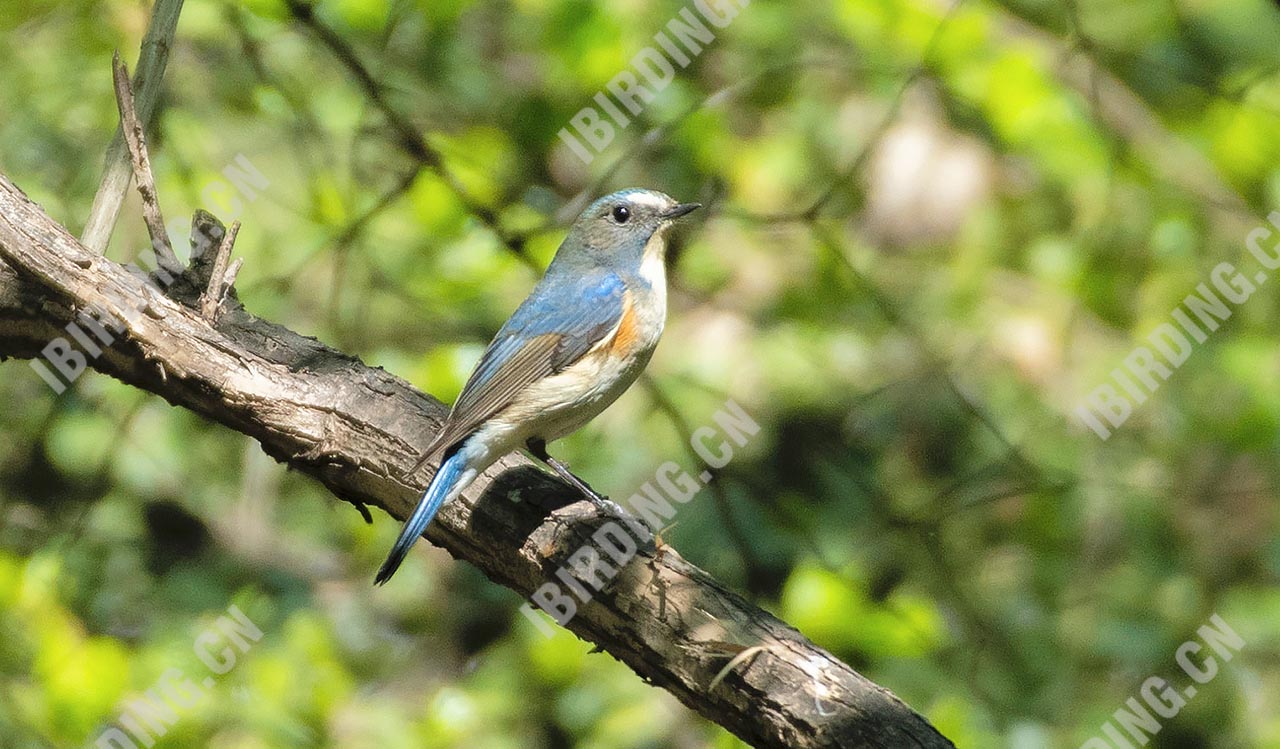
620 225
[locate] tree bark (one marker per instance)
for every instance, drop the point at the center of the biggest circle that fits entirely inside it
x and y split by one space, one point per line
358 430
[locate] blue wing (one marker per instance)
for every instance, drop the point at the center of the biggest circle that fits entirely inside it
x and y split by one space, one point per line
555 327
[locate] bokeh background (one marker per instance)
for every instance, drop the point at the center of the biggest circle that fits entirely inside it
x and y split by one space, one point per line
932 229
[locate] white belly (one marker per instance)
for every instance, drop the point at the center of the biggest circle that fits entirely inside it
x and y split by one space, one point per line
563 403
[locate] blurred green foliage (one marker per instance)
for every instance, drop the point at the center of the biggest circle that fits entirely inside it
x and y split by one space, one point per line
1043 183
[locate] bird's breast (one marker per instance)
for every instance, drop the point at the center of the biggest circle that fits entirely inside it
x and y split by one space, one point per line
644 311
563 402
639 327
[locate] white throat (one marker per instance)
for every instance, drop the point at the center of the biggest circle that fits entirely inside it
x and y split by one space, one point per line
653 266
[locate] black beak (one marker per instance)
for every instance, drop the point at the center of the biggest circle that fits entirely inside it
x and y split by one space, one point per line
681 209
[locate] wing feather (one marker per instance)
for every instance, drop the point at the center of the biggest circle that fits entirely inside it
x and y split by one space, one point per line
555 327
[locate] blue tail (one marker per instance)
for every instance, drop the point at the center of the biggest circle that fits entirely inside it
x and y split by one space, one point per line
428 505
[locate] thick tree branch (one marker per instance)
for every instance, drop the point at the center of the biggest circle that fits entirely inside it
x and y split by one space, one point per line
408 136
358 429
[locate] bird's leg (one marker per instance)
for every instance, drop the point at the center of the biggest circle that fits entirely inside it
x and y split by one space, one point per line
538 449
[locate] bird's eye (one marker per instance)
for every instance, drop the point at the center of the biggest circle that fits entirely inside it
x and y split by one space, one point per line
621 214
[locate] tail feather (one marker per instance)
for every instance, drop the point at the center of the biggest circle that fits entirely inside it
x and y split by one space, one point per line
443 486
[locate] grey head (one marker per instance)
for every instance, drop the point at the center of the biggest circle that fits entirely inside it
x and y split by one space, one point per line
614 230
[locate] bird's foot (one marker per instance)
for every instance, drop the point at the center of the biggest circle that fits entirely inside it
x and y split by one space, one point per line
539 450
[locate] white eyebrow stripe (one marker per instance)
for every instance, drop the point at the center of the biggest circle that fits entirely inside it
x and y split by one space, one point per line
652 200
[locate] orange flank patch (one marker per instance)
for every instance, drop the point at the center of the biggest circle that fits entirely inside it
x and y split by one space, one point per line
624 338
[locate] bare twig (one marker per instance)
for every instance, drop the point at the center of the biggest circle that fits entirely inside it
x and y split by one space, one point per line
230 281
141 162
152 59
220 279
733 663
1117 107
938 364
408 136
855 167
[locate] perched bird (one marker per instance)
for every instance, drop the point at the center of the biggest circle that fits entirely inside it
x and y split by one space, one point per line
576 343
